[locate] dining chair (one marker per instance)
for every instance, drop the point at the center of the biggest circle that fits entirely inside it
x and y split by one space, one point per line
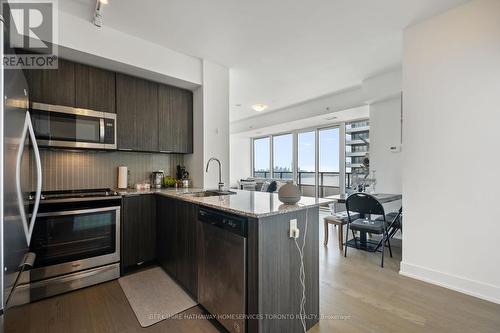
366 205
395 223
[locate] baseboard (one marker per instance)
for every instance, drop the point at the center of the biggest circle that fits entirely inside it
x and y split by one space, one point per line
477 289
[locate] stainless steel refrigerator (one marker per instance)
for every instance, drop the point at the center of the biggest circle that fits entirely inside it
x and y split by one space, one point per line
20 173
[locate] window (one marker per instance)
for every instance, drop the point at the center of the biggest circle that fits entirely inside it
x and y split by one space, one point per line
311 157
283 157
329 164
261 158
306 161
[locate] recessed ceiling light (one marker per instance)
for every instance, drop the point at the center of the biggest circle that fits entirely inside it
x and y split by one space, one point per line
104 2
259 107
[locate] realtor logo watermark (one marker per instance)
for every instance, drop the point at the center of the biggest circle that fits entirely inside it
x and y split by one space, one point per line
31 32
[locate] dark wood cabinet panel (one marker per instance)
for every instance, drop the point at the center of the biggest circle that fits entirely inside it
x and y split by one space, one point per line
167 235
131 214
147 229
146 95
176 241
175 119
53 86
187 268
138 241
125 109
137 113
94 88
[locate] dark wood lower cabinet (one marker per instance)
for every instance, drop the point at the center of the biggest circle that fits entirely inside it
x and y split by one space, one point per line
176 241
138 231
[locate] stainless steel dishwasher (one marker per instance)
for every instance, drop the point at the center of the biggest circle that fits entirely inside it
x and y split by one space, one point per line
222 267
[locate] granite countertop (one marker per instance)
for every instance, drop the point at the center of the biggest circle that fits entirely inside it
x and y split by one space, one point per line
248 203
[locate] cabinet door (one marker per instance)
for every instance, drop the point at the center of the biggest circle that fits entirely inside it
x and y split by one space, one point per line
146 130
95 88
147 229
53 86
187 268
126 113
138 241
167 235
175 119
137 113
131 214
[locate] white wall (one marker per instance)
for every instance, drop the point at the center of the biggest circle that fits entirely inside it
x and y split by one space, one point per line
451 93
126 52
216 121
241 159
385 131
211 127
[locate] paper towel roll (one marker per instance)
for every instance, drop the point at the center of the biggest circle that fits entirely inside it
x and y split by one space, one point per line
122 177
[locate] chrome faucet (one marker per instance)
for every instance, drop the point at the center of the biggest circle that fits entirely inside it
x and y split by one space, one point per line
221 184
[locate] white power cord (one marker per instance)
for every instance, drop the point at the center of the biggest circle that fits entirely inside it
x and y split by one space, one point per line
302 277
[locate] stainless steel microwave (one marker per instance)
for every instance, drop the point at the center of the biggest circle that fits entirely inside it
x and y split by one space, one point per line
68 127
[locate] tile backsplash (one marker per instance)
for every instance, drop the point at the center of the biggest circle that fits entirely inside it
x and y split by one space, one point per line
68 170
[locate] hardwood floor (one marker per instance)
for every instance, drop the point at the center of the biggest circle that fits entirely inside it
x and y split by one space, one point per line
362 296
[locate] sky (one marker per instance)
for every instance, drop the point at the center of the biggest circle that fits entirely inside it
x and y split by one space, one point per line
282 148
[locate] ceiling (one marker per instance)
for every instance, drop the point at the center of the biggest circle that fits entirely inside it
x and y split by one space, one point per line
279 53
322 121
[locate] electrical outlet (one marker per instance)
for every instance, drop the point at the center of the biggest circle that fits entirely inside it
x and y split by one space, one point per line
293 231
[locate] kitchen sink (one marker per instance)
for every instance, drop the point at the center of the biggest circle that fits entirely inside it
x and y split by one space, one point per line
213 193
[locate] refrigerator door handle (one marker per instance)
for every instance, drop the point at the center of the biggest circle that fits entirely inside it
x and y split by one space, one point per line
28 129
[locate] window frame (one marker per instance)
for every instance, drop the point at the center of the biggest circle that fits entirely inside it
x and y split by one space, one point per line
295 133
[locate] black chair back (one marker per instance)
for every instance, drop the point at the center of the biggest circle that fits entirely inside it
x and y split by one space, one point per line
364 203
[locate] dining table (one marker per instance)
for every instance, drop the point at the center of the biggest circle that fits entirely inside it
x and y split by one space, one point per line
363 242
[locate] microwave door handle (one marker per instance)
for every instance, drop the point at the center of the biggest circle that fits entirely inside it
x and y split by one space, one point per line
28 129
101 130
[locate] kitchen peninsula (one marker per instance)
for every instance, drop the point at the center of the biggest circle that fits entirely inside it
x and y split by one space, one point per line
246 235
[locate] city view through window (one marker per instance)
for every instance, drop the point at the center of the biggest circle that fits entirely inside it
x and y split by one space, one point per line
328 146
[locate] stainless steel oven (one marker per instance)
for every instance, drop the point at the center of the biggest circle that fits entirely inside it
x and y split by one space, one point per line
76 240
68 127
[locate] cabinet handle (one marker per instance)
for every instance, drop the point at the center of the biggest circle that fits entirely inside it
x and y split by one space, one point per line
165 151
140 263
125 149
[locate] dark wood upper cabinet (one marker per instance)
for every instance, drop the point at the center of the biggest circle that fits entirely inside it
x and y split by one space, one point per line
126 114
175 119
147 119
53 86
94 88
151 117
137 113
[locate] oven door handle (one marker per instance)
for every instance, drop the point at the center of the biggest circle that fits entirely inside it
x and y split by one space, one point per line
28 129
79 211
